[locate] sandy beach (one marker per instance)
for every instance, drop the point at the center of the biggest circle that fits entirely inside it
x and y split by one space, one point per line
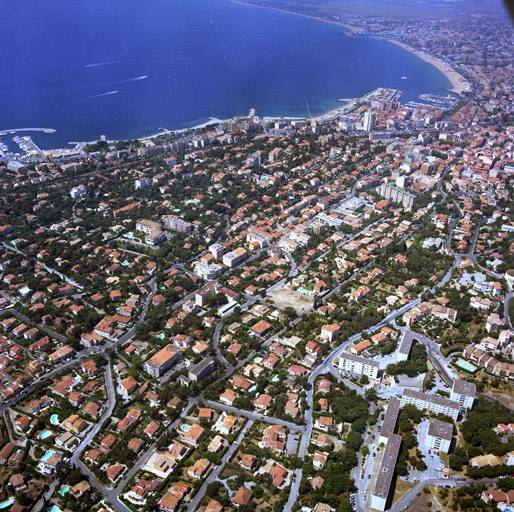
459 83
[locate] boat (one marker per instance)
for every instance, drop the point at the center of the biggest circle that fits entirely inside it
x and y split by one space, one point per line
403 77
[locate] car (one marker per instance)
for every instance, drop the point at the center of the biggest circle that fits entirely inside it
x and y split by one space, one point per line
369 476
294 475
422 456
362 476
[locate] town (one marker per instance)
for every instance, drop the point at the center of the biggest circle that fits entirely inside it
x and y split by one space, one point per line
269 314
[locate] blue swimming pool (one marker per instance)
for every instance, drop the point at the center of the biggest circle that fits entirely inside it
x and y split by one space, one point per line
47 455
45 434
185 428
466 366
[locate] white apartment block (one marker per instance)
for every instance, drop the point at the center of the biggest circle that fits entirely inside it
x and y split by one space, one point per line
463 392
435 404
359 365
439 436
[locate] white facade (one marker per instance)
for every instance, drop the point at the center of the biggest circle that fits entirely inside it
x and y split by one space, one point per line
439 436
359 365
463 393
432 403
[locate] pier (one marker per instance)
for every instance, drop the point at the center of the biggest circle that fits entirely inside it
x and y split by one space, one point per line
16 130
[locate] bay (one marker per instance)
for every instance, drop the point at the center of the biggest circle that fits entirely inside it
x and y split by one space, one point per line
125 68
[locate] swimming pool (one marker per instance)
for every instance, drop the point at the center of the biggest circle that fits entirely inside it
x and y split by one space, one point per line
128 235
45 434
275 378
161 336
126 263
252 389
47 455
466 366
55 509
257 360
54 420
185 428
64 490
7 503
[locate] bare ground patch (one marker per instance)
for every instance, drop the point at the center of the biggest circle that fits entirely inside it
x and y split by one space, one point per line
285 297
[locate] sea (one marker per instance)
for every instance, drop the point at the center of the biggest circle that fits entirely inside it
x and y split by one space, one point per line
126 68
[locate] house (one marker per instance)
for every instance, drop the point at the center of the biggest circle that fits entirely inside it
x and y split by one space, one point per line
330 332
242 383
320 459
494 323
278 475
325 423
242 497
274 437
261 328
128 386
228 397
262 402
213 506
80 489
248 461
152 429
198 470
18 483
193 435
135 444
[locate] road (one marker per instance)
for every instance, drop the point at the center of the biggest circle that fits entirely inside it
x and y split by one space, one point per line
111 402
255 416
47 268
213 476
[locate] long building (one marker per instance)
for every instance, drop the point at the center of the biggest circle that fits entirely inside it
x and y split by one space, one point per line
390 420
397 194
433 403
360 365
405 346
386 472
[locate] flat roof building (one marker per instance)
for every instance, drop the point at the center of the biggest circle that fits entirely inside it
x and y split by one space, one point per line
390 420
433 403
463 392
405 346
386 472
439 436
359 365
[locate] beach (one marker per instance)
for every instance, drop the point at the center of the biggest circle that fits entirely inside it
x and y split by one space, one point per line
459 83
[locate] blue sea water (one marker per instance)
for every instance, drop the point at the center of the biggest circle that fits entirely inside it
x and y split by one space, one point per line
125 68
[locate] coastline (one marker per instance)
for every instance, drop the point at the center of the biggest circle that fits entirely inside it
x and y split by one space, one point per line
459 83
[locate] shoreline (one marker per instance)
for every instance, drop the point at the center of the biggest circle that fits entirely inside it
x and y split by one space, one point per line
458 82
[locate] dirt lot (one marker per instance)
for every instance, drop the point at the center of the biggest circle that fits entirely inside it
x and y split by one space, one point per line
285 297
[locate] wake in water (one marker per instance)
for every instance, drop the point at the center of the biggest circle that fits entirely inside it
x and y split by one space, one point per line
103 94
94 65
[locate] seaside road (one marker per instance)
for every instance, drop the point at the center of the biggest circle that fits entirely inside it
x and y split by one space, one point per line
213 476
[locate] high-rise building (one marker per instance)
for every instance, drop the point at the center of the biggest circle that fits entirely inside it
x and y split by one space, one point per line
369 121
